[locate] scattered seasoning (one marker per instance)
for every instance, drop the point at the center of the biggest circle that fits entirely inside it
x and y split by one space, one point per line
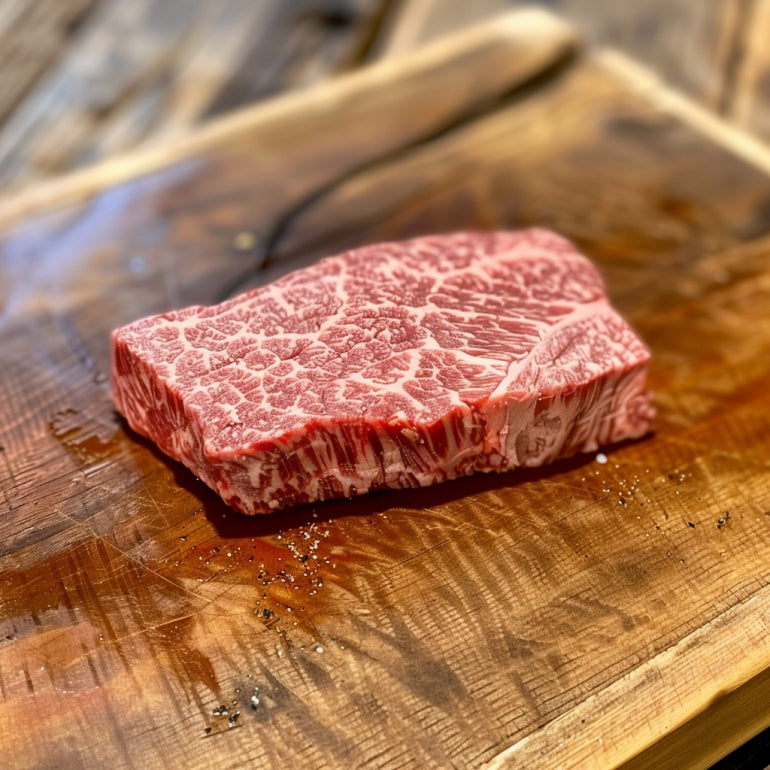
722 520
690 524
601 458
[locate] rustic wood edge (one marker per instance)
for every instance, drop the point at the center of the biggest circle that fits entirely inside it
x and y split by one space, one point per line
650 86
618 728
520 25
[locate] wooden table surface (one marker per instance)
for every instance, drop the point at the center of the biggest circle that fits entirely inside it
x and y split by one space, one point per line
581 615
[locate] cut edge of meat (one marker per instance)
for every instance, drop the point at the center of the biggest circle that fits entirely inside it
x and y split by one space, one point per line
494 434
531 418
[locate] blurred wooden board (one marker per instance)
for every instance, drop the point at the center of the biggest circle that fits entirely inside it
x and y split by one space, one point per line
83 79
580 615
714 52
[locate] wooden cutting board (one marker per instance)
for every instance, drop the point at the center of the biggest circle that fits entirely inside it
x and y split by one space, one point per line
584 614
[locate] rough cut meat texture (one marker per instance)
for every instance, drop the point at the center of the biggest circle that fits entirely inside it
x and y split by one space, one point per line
395 365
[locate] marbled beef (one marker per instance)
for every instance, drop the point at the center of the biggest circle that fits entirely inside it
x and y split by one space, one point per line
394 365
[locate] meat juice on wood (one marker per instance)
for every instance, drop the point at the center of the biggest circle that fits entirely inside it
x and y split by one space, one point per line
394 365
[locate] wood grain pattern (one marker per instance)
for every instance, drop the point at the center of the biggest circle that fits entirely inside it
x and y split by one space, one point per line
514 620
714 52
470 73
84 79
416 22
749 104
32 37
150 69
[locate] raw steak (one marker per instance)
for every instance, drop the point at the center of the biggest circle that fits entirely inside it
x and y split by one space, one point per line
395 365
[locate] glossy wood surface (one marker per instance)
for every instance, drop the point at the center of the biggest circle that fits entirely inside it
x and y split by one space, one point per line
577 615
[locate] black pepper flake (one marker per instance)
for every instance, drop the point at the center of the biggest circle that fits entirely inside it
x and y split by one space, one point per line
690 524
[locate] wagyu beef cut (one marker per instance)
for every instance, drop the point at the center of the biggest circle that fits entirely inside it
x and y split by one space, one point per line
395 365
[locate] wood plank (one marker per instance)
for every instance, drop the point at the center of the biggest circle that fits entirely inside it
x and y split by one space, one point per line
724 133
417 22
689 43
150 69
715 53
32 38
479 621
749 105
454 63
88 79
